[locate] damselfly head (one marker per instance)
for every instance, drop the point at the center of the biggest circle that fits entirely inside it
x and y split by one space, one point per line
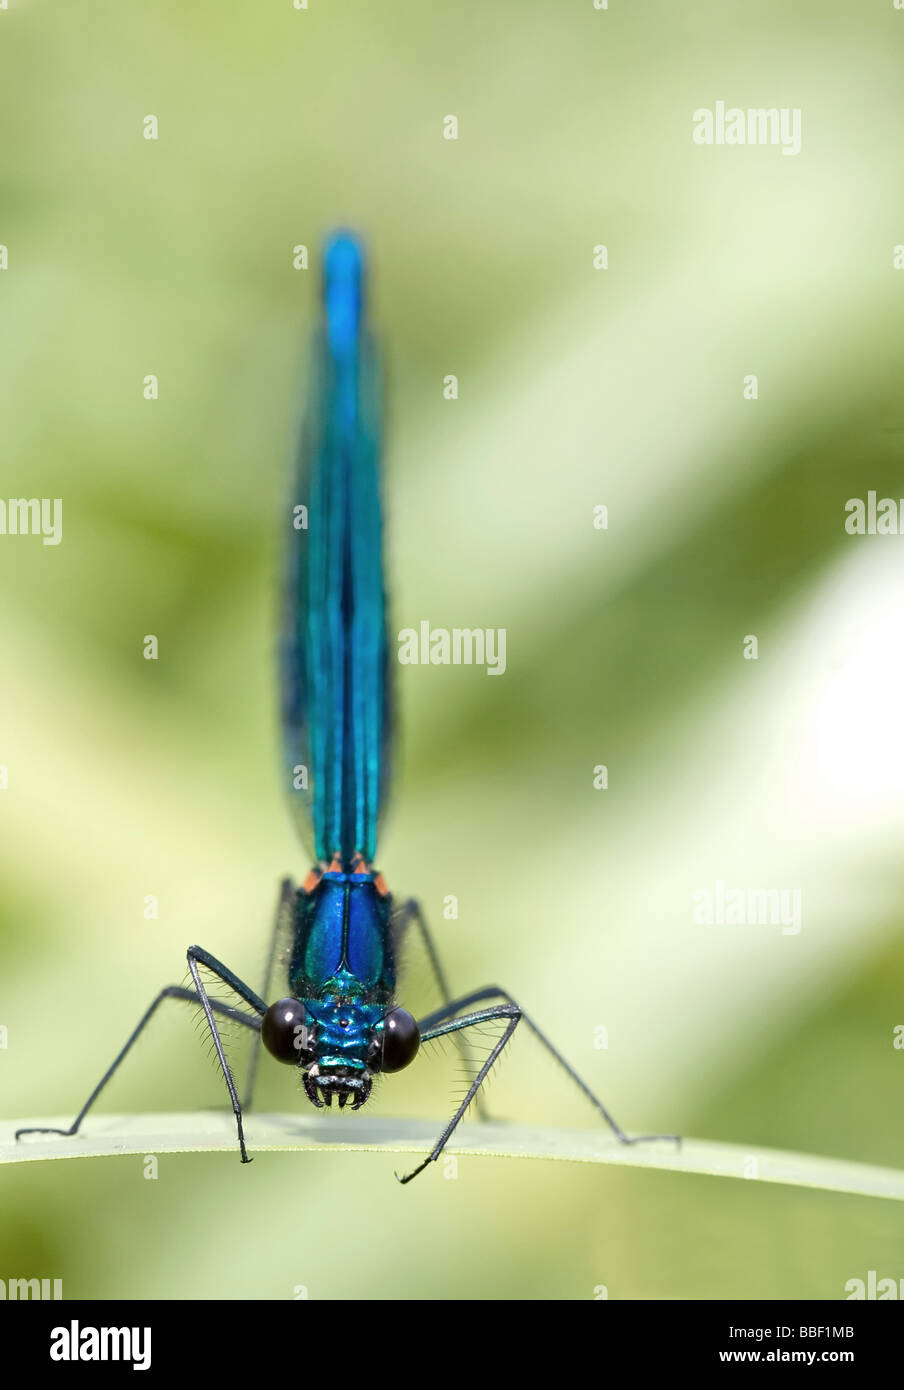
340 1044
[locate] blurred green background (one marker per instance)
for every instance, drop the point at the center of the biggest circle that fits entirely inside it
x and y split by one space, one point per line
577 387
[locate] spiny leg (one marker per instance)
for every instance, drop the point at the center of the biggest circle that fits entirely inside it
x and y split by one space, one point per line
410 911
495 992
283 905
197 955
508 1011
170 992
442 1021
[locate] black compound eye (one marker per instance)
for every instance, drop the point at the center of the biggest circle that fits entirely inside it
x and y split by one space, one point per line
284 1029
401 1040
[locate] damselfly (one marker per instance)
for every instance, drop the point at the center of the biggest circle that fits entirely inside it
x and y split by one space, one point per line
338 1021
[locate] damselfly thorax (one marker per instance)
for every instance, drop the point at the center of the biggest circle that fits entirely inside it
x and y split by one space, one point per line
339 1023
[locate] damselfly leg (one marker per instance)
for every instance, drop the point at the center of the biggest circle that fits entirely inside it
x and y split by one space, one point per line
198 956
210 1006
450 1019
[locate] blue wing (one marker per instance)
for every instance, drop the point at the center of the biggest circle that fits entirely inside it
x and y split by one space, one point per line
335 670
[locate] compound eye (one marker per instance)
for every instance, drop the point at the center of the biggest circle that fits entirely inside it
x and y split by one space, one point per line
284 1029
401 1039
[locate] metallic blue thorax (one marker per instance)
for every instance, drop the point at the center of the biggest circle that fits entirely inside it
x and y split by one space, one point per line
342 962
342 942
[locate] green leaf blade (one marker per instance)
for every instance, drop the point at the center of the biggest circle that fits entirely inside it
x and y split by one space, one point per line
214 1132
